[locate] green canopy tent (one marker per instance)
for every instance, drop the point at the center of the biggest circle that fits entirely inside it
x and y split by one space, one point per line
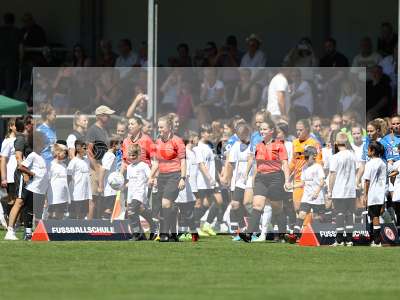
10 106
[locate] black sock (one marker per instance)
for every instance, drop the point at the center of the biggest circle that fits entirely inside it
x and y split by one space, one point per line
254 223
146 214
164 220
212 213
198 213
173 219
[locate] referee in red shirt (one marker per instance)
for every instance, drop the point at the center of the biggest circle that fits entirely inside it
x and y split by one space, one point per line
170 165
272 175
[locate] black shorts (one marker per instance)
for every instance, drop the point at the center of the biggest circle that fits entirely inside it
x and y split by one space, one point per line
238 195
375 210
19 185
316 208
167 184
344 205
11 188
270 185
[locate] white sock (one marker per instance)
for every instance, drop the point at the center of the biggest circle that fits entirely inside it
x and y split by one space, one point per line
266 218
28 230
9 228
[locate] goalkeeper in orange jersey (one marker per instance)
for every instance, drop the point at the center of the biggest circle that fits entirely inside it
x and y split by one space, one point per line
298 161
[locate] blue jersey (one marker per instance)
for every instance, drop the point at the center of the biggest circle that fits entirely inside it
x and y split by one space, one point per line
255 139
364 156
390 142
233 139
50 139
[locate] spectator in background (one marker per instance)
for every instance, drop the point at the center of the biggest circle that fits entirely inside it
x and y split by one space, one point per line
331 79
184 59
185 104
278 96
387 39
212 105
107 56
79 57
366 58
332 57
301 56
389 68
301 97
122 129
246 97
33 34
378 93
142 57
127 58
349 99
170 89
138 106
79 128
254 57
229 57
10 53
62 86
210 55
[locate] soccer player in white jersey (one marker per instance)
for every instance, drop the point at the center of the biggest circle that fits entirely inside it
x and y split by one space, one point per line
138 174
312 180
108 166
206 182
187 197
236 173
80 186
342 188
58 193
375 188
34 192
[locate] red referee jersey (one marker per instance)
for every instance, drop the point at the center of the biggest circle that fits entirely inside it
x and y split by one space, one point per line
146 146
169 154
269 156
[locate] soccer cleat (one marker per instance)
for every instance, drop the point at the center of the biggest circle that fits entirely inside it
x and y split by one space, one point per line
152 236
185 237
349 244
10 236
260 239
157 238
207 229
245 237
375 245
336 244
236 238
202 233
28 237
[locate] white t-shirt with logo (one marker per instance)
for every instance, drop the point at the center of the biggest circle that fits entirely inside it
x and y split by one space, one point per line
40 182
311 176
137 176
109 163
8 151
278 84
80 185
204 154
358 151
58 191
375 172
192 168
239 155
343 164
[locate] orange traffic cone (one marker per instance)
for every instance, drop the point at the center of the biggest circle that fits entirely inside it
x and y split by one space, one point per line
308 237
40 233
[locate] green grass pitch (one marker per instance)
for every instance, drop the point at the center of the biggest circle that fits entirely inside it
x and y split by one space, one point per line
213 268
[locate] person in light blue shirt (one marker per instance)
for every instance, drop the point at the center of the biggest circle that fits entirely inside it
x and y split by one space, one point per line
48 115
392 140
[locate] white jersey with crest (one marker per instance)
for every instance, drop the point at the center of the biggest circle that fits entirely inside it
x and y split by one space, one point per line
239 155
